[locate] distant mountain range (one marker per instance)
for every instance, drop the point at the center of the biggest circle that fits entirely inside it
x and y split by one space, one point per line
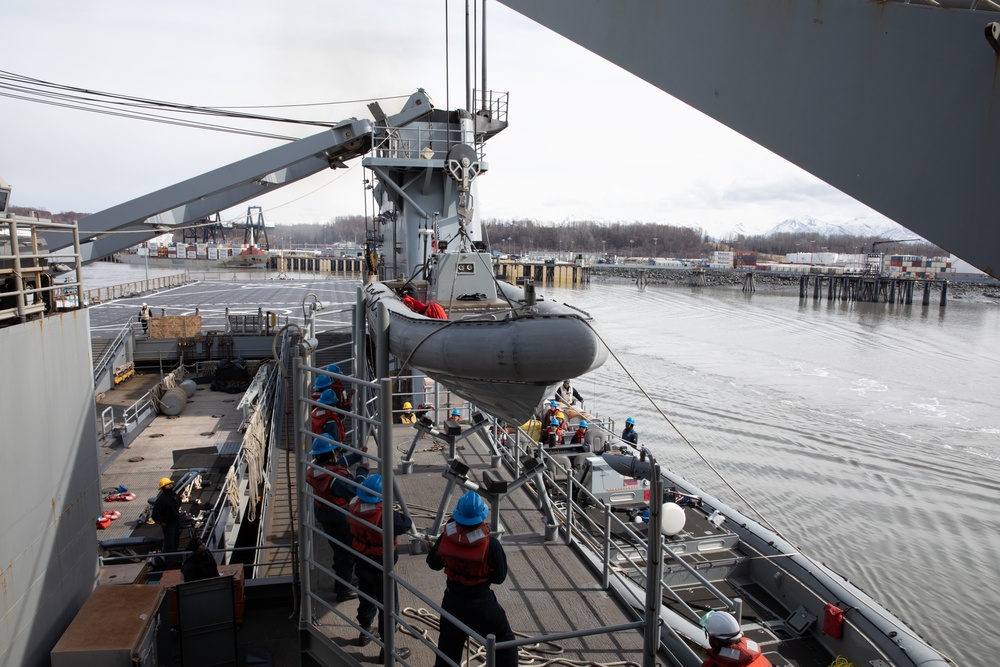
867 227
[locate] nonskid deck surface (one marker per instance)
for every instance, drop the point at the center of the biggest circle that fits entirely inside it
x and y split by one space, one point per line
548 589
204 436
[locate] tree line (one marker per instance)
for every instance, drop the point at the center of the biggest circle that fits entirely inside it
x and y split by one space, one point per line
622 239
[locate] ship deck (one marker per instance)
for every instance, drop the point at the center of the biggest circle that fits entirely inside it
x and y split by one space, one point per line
548 590
205 436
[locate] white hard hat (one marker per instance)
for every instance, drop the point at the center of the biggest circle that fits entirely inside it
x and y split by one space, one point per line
722 626
144 303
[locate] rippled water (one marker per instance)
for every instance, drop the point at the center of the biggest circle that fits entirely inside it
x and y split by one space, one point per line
868 434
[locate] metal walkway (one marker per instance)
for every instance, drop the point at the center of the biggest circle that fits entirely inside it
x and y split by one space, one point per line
548 589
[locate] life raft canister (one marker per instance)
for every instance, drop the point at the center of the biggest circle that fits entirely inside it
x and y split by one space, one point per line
833 621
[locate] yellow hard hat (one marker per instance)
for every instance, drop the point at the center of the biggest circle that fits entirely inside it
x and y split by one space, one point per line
407 406
164 481
561 416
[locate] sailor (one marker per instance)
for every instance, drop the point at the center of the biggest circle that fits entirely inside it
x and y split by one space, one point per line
567 394
455 416
472 560
167 513
328 483
366 508
553 433
580 436
325 420
551 412
630 435
323 383
408 416
144 317
200 564
729 648
343 395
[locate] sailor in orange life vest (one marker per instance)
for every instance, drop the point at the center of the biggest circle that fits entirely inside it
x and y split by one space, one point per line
551 413
325 420
328 483
729 648
552 435
472 560
580 437
367 507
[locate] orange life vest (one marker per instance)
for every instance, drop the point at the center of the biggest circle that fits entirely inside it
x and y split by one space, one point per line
463 550
744 653
321 481
320 416
367 540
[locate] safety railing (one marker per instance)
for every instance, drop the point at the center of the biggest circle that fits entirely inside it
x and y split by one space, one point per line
103 364
132 550
416 142
133 288
26 290
132 413
372 414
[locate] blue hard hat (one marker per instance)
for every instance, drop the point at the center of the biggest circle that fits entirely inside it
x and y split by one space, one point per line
456 413
470 510
328 397
372 483
323 382
321 446
583 424
334 368
630 421
554 404
554 422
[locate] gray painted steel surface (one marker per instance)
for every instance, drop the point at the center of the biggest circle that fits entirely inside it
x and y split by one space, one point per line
49 484
218 189
895 104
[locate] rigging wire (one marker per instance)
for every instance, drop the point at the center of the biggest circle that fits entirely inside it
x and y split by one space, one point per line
31 89
657 407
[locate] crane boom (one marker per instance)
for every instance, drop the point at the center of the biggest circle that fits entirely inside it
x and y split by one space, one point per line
145 217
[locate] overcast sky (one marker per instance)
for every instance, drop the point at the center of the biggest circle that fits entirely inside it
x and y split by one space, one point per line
586 140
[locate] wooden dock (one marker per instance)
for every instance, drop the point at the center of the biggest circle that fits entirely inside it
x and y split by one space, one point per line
871 289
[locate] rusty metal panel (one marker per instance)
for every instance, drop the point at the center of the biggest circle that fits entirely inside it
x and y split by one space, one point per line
895 104
49 483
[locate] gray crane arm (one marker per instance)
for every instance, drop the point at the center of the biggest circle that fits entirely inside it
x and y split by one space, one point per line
150 215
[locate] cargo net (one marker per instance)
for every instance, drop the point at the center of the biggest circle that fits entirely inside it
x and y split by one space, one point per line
231 376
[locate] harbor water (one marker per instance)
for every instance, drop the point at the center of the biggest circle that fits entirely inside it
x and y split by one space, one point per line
867 434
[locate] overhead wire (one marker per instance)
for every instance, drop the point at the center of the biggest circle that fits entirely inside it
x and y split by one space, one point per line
40 91
32 89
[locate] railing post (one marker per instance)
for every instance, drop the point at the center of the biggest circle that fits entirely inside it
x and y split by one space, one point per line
15 252
491 650
388 496
569 505
606 574
306 518
654 568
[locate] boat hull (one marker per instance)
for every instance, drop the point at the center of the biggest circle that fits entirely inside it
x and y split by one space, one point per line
503 363
785 573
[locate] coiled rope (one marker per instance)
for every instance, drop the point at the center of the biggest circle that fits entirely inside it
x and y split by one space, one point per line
539 654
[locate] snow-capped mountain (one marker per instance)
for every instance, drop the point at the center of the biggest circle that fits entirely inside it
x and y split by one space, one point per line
870 227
